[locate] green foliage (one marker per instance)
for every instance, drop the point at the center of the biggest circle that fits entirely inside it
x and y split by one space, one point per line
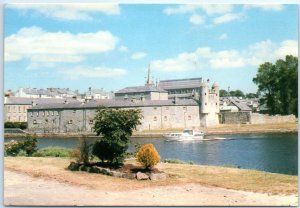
20 125
28 145
116 127
148 156
278 85
237 93
223 93
53 152
176 161
82 153
251 95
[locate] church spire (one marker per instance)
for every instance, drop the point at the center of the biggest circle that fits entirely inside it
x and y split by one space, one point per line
149 80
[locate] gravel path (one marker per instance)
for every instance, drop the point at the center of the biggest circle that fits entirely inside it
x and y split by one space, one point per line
21 189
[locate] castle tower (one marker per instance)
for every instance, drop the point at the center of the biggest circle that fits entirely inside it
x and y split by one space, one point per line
204 95
216 91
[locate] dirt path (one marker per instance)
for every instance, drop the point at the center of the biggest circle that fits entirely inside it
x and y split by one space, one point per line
22 189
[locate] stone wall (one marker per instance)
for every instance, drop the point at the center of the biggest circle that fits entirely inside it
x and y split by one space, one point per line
82 120
257 118
234 117
253 118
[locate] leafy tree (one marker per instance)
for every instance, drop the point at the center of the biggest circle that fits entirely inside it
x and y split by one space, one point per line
116 127
223 93
237 93
278 84
251 95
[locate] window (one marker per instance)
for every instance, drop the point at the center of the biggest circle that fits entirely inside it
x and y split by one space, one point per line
155 108
167 108
19 118
165 118
43 113
205 103
52 112
216 103
189 117
8 118
37 113
57 113
31 114
70 122
47 113
46 120
74 111
204 93
53 121
24 109
91 122
155 118
184 108
34 122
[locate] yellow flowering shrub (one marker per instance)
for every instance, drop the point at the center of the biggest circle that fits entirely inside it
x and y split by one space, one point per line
148 156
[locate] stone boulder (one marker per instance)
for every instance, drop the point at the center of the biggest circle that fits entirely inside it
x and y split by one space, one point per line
142 176
158 176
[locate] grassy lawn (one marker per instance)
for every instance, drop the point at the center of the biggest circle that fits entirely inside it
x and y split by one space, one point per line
231 178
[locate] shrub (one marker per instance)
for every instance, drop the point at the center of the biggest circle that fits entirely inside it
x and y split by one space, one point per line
20 125
148 156
28 145
83 151
176 161
53 152
12 148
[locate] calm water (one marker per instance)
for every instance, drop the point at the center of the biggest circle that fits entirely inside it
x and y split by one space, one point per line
276 153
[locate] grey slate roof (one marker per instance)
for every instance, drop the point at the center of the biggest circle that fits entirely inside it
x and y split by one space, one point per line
240 104
140 89
180 83
38 101
114 103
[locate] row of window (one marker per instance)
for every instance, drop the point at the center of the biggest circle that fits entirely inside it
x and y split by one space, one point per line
167 108
15 109
20 118
43 113
166 118
69 122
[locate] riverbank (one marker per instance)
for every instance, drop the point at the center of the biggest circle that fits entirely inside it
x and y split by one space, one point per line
29 181
216 130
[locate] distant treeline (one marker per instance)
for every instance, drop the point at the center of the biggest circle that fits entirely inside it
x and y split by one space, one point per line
20 125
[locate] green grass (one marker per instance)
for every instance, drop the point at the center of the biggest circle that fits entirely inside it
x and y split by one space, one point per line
53 152
176 161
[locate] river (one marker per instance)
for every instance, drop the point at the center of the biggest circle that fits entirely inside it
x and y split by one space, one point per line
277 153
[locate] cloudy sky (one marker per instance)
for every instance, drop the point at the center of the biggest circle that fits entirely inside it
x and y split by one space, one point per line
110 46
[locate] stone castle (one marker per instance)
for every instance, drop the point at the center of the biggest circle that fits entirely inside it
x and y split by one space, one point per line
172 104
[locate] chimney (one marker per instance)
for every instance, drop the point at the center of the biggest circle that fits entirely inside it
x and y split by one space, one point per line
33 103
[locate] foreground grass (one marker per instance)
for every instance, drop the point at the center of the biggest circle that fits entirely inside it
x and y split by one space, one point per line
231 178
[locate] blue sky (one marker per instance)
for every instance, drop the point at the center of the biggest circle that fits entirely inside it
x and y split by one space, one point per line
109 46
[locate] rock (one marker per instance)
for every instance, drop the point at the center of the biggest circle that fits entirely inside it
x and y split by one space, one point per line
73 166
105 171
117 174
158 176
94 169
82 168
129 175
142 176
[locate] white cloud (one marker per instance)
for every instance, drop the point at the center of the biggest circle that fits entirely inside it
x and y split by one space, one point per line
68 11
209 9
123 48
226 18
197 19
265 7
44 48
138 55
223 36
205 57
97 72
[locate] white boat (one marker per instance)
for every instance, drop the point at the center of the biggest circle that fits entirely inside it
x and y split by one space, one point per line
186 135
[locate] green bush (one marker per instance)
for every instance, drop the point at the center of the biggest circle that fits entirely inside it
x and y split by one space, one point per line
53 152
148 156
83 152
28 145
20 125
